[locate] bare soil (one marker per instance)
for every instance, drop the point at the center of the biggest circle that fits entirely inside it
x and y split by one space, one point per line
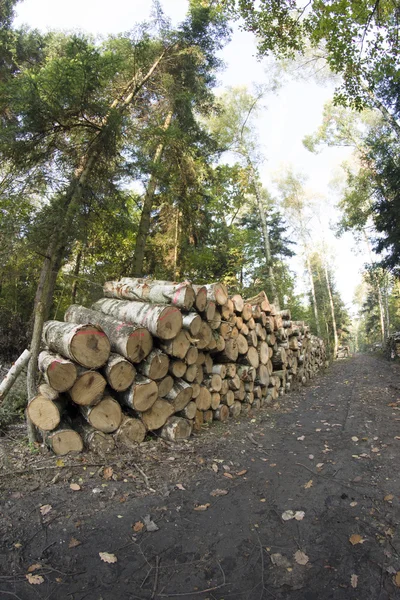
203 520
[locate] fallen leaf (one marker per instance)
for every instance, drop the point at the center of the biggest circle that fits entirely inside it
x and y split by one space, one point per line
34 579
18 545
107 557
218 492
272 465
60 462
396 579
180 487
397 437
107 472
356 539
307 485
34 567
288 515
243 472
138 526
388 498
375 450
354 438
202 507
352 504
320 465
46 508
75 487
299 515
228 475
73 543
311 456
214 467
301 558
280 561
150 525
354 581
301 438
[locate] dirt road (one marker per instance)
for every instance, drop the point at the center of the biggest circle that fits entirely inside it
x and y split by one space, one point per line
217 524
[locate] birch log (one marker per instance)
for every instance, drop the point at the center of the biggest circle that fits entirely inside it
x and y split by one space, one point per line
155 366
87 345
176 429
63 440
217 292
13 373
130 432
181 295
141 395
88 388
45 412
105 416
95 440
134 342
180 395
157 415
201 297
164 322
192 323
119 372
59 372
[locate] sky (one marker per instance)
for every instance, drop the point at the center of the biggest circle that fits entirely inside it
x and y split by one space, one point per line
289 114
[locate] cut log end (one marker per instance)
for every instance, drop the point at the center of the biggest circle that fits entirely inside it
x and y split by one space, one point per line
139 345
169 323
64 441
90 347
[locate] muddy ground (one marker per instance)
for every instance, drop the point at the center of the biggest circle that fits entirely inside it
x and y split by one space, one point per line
207 519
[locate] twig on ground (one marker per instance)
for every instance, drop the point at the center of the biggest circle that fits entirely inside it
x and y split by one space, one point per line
143 474
155 585
211 589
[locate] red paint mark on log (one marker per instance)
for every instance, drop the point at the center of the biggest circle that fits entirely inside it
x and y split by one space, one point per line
54 364
169 311
177 293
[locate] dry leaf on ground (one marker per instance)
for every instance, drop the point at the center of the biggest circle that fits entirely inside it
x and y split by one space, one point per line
388 498
354 438
107 473
202 507
354 581
356 539
301 438
75 487
301 558
396 579
228 475
34 579
218 492
138 526
73 543
34 567
46 508
308 484
243 472
352 504
280 561
214 467
60 462
180 487
299 515
107 557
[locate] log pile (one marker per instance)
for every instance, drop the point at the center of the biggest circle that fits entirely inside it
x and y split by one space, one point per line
164 357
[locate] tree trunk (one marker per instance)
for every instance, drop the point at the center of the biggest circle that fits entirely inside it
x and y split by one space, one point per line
315 307
335 335
144 224
13 373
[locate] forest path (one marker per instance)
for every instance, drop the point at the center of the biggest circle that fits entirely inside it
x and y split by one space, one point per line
331 450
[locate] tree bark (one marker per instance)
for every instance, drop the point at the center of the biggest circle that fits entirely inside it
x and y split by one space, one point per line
144 223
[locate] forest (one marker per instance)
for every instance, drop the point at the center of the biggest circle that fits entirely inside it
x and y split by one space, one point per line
118 158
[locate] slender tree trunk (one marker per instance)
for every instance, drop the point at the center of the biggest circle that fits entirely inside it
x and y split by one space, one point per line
77 269
377 290
265 233
176 243
144 224
315 307
328 287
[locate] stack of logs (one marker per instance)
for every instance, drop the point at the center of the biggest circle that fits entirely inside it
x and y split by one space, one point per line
164 357
392 346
